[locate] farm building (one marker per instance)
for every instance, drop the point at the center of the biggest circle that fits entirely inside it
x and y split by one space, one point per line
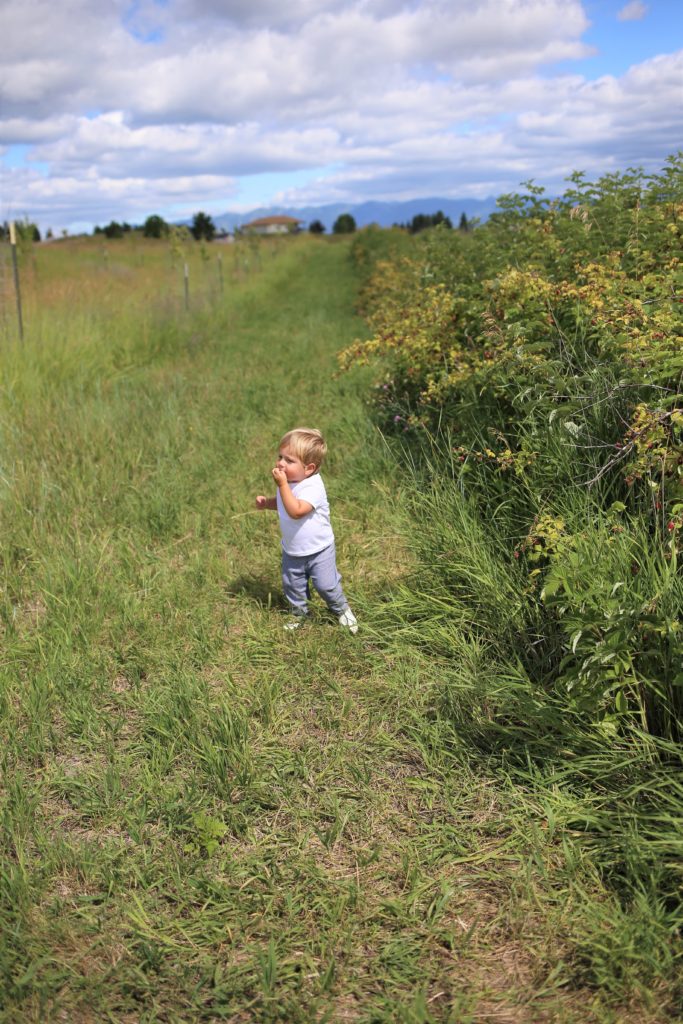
277 225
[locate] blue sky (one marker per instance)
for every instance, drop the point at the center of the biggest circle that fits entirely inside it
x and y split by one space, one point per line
121 110
621 43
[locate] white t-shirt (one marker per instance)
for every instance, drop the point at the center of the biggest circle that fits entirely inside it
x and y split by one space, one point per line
313 532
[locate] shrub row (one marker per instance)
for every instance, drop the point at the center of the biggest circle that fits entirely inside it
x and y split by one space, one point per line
542 355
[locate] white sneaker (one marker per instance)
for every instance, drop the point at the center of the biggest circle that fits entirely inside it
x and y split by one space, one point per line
348 621
296 623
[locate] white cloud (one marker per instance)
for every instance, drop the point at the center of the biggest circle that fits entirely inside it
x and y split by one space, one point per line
60 201
125 107
633 11
267 14
119 151
224 67
23 131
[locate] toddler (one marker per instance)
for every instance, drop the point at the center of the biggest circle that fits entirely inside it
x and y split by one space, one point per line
308 552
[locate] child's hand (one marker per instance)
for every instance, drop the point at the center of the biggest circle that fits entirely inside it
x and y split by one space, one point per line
279 476
261 501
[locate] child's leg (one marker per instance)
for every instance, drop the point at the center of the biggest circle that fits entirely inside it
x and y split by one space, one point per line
295 583
326 579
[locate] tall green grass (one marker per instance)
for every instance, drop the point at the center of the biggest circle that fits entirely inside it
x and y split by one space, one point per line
204 818
131 558
604 785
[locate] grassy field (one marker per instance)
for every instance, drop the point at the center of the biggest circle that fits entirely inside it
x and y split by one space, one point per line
204 817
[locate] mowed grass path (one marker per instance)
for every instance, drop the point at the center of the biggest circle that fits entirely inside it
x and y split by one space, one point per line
203 817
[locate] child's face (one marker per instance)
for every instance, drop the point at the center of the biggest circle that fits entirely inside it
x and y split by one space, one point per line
293 467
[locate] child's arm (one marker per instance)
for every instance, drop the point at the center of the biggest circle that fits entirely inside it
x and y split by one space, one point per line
263 502
294 507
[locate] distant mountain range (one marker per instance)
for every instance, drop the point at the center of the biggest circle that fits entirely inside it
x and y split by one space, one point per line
383 213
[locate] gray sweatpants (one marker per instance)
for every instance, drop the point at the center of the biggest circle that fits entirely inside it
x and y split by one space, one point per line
299 571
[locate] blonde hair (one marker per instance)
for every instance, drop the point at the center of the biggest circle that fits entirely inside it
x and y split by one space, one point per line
307 444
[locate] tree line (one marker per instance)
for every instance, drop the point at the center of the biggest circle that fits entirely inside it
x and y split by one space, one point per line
26 231
203 227
422 221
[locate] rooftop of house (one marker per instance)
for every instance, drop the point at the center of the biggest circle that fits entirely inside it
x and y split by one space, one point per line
276 219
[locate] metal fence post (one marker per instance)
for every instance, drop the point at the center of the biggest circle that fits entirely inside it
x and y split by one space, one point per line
15 266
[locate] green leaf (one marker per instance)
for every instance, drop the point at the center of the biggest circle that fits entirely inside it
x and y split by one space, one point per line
551 588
